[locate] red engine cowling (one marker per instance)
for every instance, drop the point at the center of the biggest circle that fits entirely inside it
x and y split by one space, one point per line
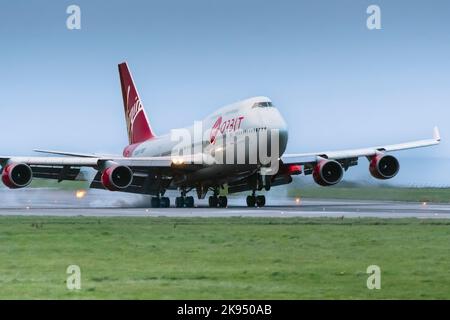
384 166
117 177
17 175
328 173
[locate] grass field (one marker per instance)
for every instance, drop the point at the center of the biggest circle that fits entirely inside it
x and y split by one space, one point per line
374 193
217 258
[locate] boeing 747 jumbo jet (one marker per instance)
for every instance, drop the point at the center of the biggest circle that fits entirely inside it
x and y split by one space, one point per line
238 148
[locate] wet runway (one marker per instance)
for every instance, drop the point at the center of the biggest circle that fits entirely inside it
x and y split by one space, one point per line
41 202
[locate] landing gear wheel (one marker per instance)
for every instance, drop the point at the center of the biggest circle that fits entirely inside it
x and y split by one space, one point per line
155 202
179 202
251 200
165 202
223 201
189 202
260 201
213 201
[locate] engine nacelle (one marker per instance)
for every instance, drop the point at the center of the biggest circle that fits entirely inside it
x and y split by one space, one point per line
384 166
117 177
328 173
17 175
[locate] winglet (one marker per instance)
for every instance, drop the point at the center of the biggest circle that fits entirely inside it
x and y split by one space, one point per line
436 134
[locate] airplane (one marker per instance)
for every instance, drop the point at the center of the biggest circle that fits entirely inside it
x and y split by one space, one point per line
150 166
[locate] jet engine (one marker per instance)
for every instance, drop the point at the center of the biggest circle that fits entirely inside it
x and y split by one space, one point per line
17 175
384 166
328 172
117 177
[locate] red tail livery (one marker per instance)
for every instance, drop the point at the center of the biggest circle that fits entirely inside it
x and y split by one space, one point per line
138 127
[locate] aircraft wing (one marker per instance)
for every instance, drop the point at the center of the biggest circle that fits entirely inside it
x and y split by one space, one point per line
73 154
90 162
148 172
350 157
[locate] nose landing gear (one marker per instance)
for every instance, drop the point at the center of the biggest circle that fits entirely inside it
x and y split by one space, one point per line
259 201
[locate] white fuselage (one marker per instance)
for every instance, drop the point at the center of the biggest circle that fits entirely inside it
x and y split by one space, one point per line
220 131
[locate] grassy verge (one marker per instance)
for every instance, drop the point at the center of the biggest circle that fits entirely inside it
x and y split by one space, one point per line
375 193
204 258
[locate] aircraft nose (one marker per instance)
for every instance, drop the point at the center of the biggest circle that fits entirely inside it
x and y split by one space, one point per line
277 122
273 120
283 139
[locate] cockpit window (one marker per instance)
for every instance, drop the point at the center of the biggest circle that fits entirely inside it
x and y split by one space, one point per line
263 105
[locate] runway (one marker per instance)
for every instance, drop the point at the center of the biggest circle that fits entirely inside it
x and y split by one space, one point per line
41 202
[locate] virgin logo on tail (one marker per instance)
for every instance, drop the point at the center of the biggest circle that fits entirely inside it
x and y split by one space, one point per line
133 110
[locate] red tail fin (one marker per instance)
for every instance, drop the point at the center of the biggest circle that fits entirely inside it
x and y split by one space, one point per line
139 129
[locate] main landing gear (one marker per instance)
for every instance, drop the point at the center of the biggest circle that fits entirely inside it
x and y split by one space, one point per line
215 201
160 202
180 202
183 201
259 201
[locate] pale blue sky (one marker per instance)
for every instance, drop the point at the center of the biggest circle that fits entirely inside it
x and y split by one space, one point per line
338 84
